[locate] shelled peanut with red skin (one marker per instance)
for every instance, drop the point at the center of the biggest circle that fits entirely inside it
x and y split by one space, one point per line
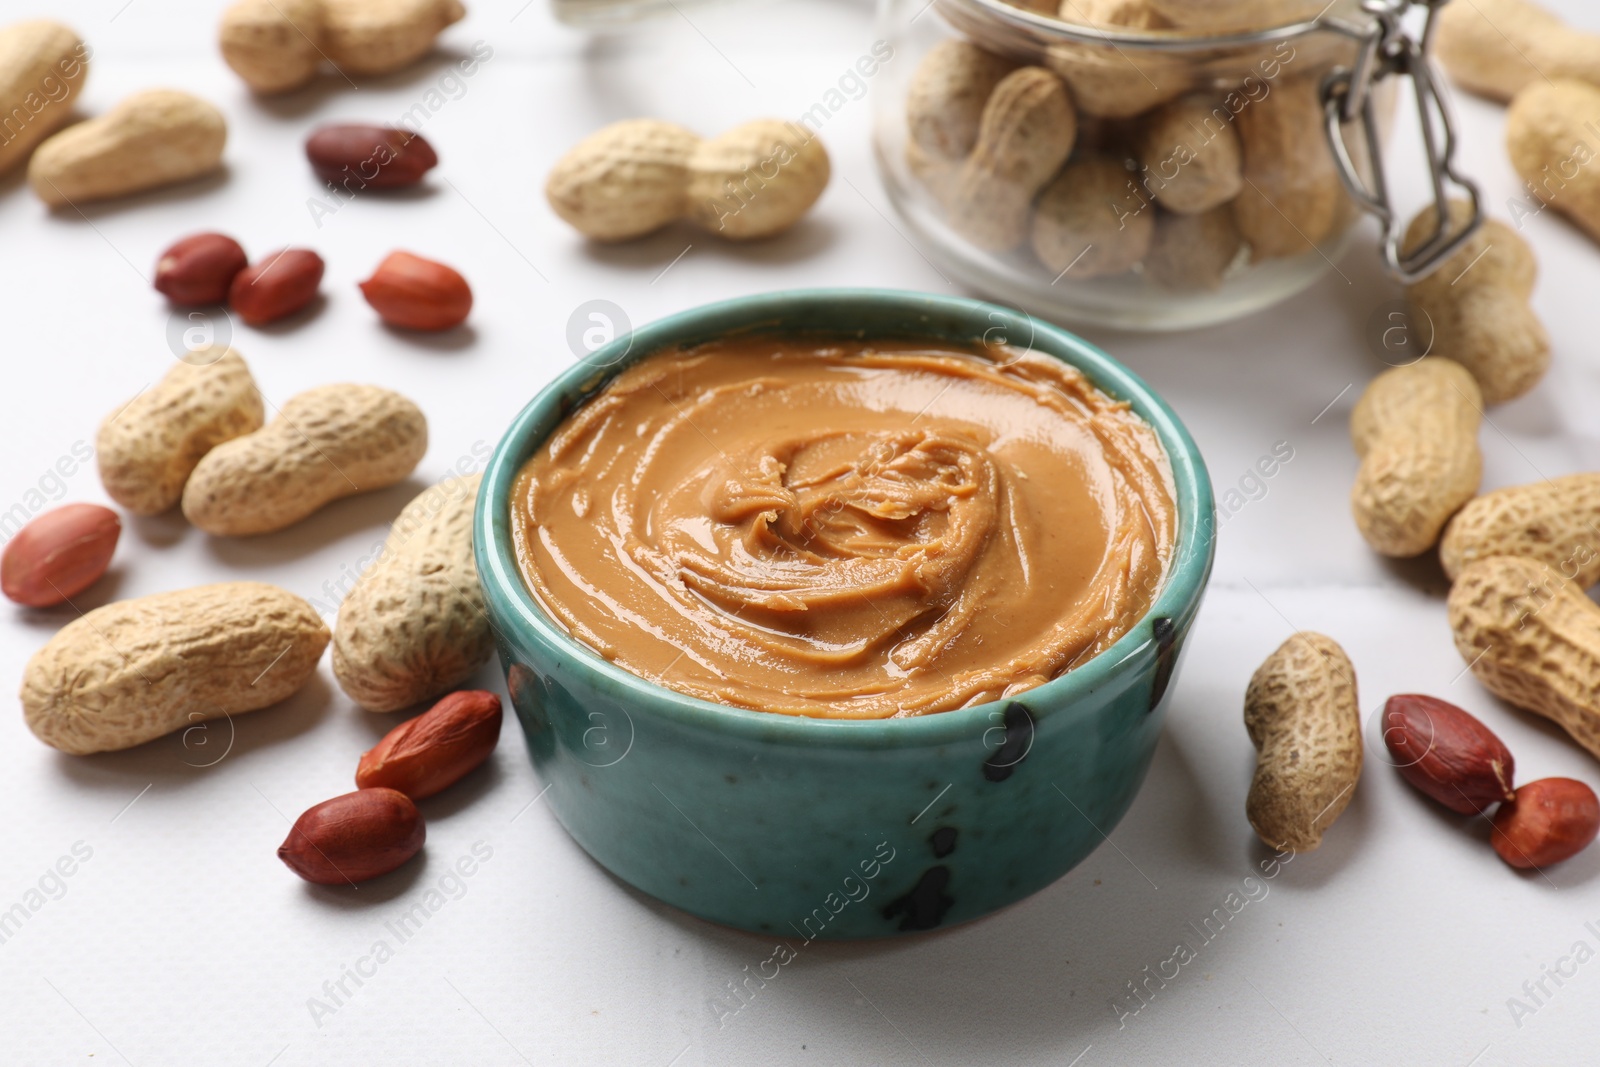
418 294
198 270
277 286
433 751
59 554
1547 821
354 837
1447 754
358 156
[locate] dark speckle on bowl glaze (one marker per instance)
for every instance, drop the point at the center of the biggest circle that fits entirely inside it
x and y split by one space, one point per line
943 841
527 696
1166 635
1017 728
925 905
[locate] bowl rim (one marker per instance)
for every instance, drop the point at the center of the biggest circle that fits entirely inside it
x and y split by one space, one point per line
503 586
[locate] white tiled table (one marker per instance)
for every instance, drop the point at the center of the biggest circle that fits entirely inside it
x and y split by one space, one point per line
178 938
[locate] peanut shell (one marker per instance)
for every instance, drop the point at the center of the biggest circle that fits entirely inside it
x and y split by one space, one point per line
1190 153
1497 48
1091 221
1555 522
948 91
1292 196
1026 133
415 624
1416 432
1533 639
1475 308
383 36
1550 135
151 139
134 670
623 181
1190 253
148 447
756 179
1304 718
1113 82
274 45
327 443
42 68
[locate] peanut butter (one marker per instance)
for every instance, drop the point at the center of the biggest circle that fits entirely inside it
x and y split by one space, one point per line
846 529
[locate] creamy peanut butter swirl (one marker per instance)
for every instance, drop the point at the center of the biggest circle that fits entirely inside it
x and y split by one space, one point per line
846 529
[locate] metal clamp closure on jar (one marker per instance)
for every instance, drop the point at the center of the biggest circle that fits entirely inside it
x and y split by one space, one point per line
1387 50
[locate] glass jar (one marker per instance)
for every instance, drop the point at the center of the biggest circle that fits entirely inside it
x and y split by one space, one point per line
1101 166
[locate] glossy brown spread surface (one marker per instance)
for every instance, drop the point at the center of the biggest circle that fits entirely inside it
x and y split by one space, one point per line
846 529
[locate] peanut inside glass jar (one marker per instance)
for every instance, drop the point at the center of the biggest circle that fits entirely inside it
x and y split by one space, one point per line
846 529
1150 164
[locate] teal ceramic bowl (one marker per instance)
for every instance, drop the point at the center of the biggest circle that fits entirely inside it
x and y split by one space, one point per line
809 828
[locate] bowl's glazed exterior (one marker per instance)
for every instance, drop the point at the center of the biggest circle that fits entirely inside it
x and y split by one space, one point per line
808 828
